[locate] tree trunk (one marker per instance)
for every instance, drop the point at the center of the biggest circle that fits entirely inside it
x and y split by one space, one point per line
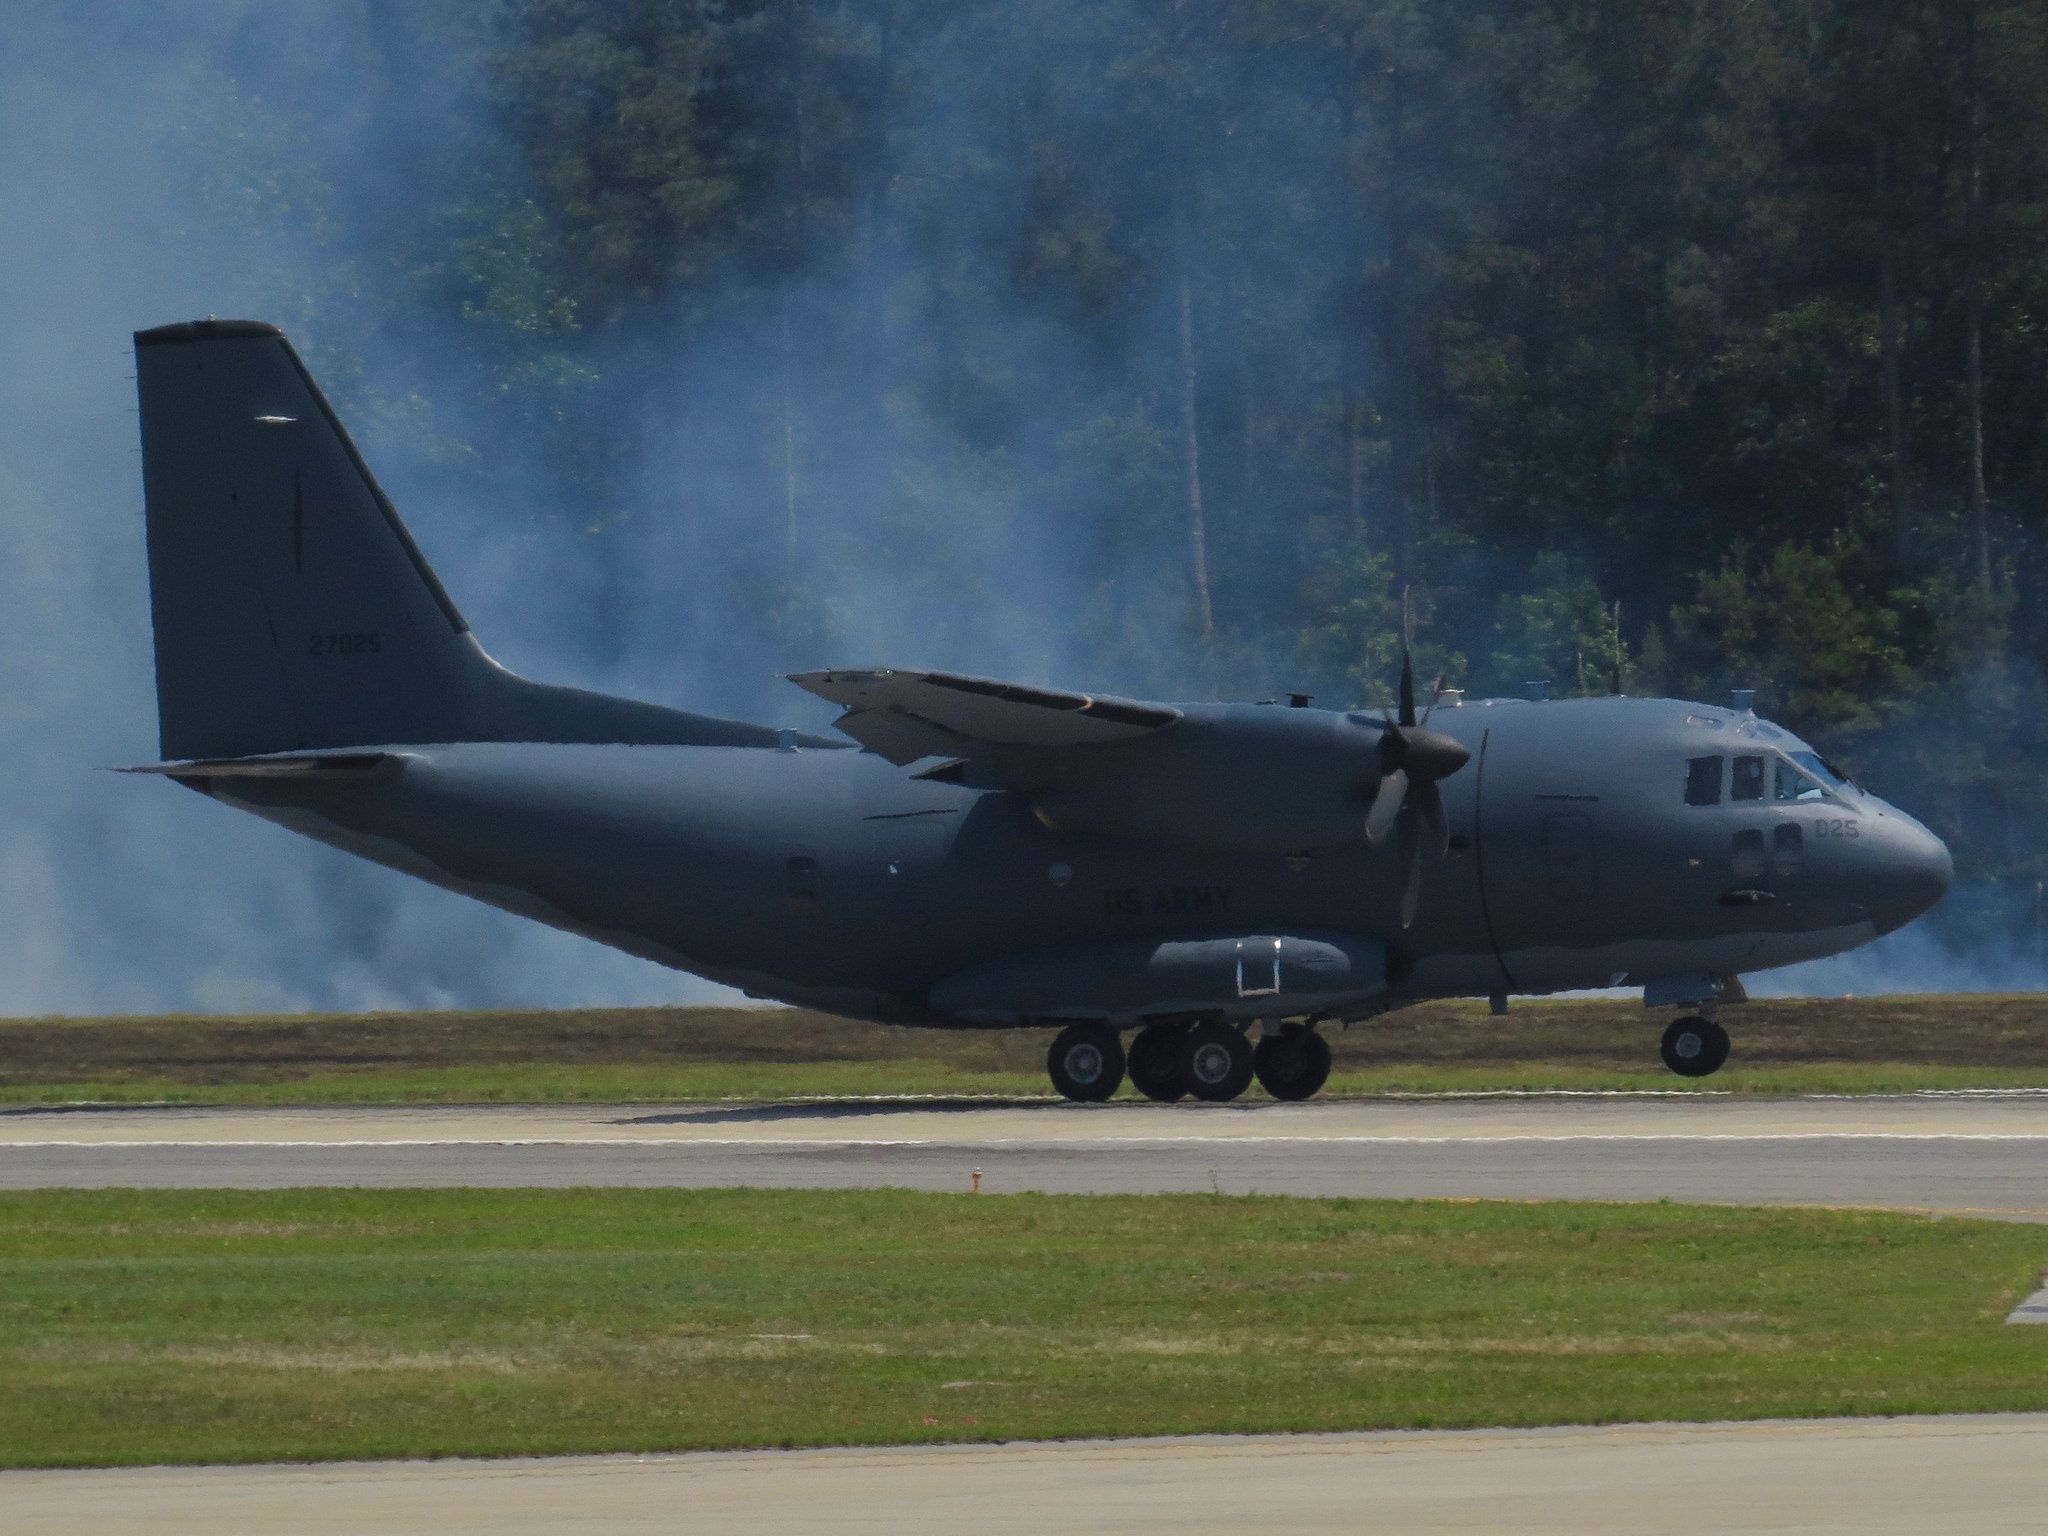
1897 466
789 427
1248 408
1198 534
1973 268
796 229
1351 315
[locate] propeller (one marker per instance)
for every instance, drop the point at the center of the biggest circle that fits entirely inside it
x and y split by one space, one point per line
1413 759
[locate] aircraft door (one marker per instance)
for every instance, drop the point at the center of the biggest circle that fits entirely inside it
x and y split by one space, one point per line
1540 854
1568 856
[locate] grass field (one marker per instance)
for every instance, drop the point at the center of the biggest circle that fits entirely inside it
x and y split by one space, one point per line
216 1326
1802 1046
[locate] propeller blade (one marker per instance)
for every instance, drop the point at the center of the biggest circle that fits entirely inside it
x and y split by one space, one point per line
1410 841
1429 800
1386 806
1407 685
1435 694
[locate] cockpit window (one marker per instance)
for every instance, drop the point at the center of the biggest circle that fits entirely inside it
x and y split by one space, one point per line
1749 779
1794 783
1829 775
1703 781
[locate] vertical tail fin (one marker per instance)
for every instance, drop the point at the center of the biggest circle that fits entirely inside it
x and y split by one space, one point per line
292 609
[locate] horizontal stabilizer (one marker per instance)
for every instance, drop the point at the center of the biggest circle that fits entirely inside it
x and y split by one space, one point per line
904 716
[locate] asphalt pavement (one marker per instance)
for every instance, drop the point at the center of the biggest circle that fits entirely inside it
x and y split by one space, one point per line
1981 1154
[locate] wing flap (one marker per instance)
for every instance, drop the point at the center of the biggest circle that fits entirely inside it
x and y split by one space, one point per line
287 765
904 716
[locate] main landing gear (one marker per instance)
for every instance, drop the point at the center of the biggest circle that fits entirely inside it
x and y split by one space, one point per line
1207 1060
1695 1047
1294 1064
1086 1062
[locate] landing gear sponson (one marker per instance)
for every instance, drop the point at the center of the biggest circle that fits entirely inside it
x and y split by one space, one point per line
1174 1059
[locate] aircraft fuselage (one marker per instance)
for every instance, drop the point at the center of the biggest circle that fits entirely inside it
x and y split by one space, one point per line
830 877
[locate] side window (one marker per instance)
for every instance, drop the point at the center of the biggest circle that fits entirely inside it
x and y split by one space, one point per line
1747 855
1703 781
1788 848
1749 779
1794 785
800 894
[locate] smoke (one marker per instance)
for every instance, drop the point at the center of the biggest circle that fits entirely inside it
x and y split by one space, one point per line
120 894
900 444
767 498
1980 939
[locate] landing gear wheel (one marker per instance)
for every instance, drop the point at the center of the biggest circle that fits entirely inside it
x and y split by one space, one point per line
1695 1047
1293 1064
1156 1065
1217 1061
1086 1062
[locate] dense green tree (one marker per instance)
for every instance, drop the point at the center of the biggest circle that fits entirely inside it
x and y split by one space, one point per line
1704 343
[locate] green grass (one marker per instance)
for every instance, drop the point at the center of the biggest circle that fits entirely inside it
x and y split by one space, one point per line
665 1054
217 1326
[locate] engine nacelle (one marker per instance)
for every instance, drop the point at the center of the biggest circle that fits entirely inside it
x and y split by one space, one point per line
1254 781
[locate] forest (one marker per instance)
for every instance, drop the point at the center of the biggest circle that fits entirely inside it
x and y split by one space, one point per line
1160 346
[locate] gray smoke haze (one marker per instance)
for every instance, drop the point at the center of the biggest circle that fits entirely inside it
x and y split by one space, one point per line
118 894
124 135
123 139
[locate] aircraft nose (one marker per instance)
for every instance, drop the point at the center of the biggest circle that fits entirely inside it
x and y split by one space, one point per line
1917 873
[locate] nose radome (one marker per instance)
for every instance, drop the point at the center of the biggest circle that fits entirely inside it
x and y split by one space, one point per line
1918 872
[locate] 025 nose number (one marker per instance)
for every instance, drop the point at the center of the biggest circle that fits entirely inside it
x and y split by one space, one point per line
1836 826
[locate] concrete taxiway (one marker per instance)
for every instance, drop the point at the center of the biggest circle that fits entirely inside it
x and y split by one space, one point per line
1896 1477
1984 1154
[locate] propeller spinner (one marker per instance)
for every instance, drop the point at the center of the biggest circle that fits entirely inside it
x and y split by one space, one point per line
1412 759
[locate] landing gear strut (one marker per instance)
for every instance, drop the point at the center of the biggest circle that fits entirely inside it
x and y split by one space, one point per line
1086 1062
1695 1047
1293 1064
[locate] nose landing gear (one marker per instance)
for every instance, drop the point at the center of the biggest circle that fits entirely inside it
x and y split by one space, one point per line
1695 1047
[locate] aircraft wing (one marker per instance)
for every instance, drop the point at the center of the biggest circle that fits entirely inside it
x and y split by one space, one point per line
904 716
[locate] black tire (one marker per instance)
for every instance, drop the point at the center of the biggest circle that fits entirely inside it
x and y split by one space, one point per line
1216 1062
1155 1065
1086 1062
1695 1047
1293 1064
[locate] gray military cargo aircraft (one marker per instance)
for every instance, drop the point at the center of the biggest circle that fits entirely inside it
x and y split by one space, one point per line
991 854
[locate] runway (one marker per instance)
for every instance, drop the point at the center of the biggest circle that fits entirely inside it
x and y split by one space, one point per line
1981 1154
1978 1154
1897 1477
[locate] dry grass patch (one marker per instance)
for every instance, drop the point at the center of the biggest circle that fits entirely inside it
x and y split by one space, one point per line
711 1054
